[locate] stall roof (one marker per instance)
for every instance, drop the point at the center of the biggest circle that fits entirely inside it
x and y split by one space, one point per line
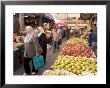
27 14
86 16
49 15
30 14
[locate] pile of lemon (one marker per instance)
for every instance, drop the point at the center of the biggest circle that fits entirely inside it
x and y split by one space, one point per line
76 65
78 40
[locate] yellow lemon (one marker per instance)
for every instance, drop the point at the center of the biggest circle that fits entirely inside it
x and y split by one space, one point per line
83 68
78 67
78 72
69 69
73 67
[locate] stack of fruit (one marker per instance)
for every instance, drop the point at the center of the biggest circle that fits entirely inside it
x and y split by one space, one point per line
77 50
16 46
76 57
76 65
78 41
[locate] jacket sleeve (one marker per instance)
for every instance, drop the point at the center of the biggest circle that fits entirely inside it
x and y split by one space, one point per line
43 39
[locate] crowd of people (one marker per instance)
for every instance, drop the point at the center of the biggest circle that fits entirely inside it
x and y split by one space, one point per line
37 39
35 44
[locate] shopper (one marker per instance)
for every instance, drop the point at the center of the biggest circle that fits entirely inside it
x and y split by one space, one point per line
43 42
59 32
94 44
55 39
63 35
35 29
67 32
31 49
91 38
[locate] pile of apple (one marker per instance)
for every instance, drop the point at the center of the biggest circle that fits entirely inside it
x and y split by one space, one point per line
78 41
77 50
76 65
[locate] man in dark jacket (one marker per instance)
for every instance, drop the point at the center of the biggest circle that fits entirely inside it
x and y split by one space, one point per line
67 33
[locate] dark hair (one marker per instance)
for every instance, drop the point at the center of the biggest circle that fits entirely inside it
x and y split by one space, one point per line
33 25
91 30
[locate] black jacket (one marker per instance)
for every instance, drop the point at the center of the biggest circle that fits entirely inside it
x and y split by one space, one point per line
42 40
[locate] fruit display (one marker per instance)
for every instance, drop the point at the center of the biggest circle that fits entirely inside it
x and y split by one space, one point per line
77 50
57 72
17 42
77 41
17 45
76 65
77 58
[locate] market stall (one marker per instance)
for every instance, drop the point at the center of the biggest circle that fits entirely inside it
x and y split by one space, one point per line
76 58
18 50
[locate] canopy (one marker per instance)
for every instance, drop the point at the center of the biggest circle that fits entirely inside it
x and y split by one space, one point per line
61 24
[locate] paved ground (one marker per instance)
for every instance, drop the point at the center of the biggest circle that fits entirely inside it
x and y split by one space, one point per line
49 61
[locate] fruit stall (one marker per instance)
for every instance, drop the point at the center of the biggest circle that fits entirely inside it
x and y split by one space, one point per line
76 58
18 49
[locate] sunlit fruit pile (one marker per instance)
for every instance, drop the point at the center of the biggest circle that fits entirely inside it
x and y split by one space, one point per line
76 65
77 50
76 57
57 72
16 45
78 40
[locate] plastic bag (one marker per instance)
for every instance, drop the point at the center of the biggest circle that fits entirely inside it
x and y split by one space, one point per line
38 62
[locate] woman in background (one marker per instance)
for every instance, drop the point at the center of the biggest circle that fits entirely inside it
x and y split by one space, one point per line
43 42
55 39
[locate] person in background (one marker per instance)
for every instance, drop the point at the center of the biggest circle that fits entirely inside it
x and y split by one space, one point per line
71 32
59 32
49 40
67 32
55 39
94 44
34 28
62 32
91 38
43 42
31 50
